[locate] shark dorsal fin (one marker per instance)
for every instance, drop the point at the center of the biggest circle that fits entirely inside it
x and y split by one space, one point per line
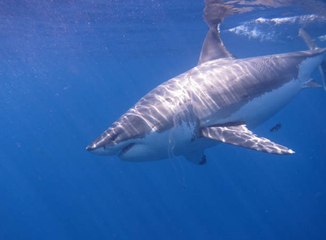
213 47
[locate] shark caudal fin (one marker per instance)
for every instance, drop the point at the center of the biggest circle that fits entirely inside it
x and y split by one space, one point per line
213 47
322 71
312 45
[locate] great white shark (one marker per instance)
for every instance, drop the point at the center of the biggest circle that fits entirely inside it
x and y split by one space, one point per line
217 101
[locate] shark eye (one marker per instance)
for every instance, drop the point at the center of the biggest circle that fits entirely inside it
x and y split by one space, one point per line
114 137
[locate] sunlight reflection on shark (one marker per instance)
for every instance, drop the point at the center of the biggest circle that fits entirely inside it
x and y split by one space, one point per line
219 100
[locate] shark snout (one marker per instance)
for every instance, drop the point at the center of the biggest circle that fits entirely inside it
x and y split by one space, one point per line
91 147
95 149
102 148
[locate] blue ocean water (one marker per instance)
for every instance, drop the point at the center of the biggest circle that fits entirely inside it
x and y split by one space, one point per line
68 69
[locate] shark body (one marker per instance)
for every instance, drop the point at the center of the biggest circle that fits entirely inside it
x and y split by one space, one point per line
219 100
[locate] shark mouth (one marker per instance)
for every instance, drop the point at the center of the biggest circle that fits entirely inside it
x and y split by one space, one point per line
125 149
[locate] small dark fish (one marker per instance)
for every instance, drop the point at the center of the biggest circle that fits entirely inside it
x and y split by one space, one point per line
276 127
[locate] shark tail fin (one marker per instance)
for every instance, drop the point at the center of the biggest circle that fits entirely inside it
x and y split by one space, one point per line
322 71
312 45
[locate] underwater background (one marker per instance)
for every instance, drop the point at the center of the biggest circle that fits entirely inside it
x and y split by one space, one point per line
68 69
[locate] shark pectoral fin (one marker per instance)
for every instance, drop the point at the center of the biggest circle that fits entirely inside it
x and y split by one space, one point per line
198 158
241 136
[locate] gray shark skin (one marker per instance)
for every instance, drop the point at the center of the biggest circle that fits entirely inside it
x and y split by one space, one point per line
217 101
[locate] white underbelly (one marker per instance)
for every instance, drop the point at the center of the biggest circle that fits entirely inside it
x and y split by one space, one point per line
160 145
265 106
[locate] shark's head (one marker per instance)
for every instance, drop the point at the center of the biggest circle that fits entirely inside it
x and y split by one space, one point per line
130 138
108 142
134 138
115 141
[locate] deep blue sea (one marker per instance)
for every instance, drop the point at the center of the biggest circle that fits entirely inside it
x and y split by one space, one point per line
68 69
